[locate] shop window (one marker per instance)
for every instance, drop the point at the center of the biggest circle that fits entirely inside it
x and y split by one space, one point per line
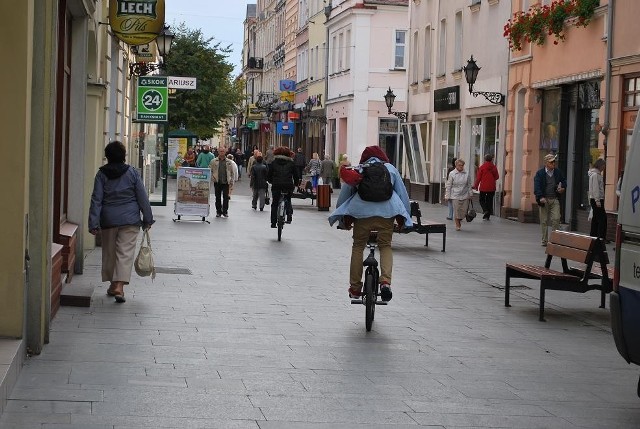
390 141
484 138
632 92
549 142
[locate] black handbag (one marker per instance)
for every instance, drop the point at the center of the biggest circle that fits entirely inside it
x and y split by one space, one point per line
471 212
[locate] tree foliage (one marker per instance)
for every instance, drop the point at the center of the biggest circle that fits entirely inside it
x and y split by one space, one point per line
218 94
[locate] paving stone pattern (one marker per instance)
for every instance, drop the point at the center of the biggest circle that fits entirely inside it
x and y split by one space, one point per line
261 334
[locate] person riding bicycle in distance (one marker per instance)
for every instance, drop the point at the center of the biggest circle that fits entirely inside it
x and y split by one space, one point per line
369 210
283 177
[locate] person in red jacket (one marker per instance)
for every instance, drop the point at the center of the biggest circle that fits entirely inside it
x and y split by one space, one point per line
486 177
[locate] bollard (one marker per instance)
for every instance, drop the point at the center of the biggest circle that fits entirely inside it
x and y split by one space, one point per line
323 197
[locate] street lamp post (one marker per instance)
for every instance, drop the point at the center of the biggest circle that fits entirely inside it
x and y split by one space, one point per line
471 74
163 42
389 99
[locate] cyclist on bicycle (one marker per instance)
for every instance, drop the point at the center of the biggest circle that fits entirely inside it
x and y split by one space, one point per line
283 177
366 216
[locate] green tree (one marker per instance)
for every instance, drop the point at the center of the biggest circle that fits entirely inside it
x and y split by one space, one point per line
218 94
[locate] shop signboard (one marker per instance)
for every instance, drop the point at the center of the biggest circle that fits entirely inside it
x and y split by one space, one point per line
153 99
193 189
136 22
446 99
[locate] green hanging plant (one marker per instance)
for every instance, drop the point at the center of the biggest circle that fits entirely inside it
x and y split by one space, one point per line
539 22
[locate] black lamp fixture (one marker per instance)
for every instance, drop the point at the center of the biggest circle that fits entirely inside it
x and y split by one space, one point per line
163 42
389 98
308 105
471 74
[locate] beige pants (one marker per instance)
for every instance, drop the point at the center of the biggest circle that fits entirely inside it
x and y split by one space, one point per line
549 214
361 228
118 252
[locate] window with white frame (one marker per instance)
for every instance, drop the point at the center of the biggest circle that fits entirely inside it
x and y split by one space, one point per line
417 137
323 59
442 49
426 73
414 60
340 51
347 50
399 61
334 50
457 59
303 13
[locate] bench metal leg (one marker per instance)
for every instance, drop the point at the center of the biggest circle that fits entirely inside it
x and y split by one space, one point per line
507 284
444 239
426 239
541 318
603 297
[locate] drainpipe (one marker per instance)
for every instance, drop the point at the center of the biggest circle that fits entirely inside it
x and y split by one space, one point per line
607 100
327 13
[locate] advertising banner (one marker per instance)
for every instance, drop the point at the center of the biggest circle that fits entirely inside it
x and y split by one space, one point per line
136 22
192 198
286 128
177 148
287 85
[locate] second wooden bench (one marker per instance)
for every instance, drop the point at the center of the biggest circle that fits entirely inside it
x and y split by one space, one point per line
567 246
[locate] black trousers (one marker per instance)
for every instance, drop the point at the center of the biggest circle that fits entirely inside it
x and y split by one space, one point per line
486 202
222 197
275 200
599 220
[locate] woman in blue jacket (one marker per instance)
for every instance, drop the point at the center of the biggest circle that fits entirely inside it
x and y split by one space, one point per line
117 200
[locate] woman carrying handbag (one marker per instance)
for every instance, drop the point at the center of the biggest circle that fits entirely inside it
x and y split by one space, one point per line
117 202
458 189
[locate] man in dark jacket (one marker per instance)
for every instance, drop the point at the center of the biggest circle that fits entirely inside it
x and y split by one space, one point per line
300 162
258 183
548 185
282 175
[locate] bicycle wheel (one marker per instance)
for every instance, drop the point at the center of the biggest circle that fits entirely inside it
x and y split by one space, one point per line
369 300
280 221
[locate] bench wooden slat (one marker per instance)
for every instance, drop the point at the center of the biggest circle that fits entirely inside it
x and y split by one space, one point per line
540 272
571 239
572 253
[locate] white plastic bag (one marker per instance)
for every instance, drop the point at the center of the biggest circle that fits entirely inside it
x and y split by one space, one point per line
320 181
590 214
144 261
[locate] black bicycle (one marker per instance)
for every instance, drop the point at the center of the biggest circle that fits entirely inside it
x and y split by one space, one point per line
371 289
281 213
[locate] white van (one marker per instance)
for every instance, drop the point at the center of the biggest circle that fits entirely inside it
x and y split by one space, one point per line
625 298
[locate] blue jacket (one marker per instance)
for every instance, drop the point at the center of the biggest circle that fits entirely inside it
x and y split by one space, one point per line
350 204
540 181
118 198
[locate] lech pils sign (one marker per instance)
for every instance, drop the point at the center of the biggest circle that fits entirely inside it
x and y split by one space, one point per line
153 99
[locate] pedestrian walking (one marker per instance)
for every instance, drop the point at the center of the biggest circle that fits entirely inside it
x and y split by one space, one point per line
451 167
222 175
118 199
364 216
204 158
314 167
548 185
596 200
300 162
268 159
458 190
326 170
258 183
190 158
486 178
236 173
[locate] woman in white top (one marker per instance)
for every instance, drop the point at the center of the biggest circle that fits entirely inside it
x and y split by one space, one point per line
458 190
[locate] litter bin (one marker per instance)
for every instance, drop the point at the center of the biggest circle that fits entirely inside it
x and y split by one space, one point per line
323 197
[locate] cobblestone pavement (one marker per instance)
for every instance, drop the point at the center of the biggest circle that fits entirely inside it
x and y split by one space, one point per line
239 330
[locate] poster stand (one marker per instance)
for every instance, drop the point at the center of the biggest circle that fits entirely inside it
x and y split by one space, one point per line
192 194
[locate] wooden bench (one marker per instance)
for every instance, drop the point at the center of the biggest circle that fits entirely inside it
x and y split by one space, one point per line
567 246
425 227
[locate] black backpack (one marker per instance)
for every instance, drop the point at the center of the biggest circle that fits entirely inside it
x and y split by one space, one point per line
375 185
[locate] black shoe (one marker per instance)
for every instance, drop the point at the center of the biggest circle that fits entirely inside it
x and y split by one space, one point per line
289 220
262 209
273 225
385 292
218 214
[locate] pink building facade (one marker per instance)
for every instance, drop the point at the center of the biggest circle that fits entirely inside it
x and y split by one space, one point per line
555 104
